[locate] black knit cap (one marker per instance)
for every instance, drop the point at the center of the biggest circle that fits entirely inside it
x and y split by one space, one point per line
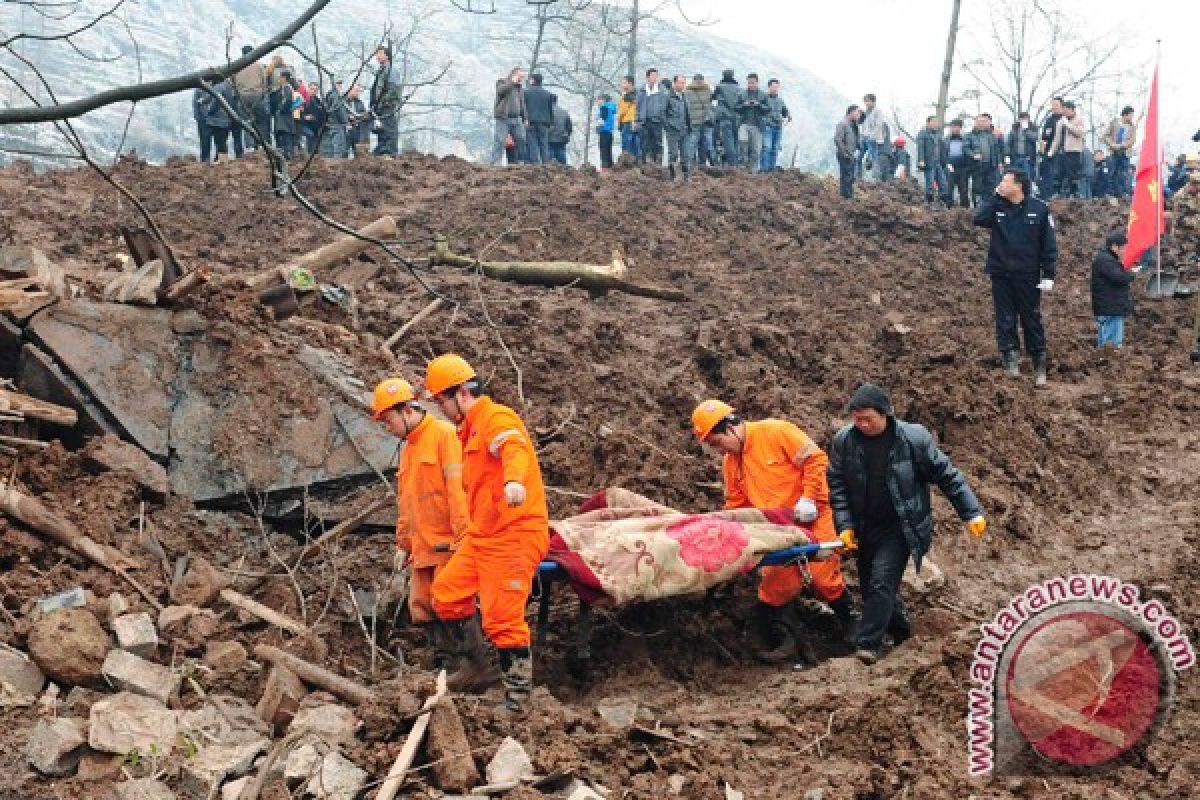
870 396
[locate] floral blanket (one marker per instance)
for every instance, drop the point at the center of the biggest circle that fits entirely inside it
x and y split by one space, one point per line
623 547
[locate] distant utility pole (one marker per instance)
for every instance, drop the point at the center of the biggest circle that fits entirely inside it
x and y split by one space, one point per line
948 65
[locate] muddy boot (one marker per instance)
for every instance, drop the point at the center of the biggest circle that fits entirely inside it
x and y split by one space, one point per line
445 648
475 672
781 633
1039 370
806 655
516 663
1011 362
847 617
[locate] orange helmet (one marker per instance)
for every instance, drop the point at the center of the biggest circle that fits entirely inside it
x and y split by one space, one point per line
447 371
390 393
708 415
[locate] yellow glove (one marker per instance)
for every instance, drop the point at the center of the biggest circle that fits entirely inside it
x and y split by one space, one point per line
849 539
977 526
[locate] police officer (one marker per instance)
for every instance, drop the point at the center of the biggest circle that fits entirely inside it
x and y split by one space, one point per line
1021 261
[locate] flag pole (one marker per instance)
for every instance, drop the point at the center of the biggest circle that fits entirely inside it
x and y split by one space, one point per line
1158 162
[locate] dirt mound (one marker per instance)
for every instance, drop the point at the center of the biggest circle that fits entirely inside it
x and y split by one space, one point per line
795 298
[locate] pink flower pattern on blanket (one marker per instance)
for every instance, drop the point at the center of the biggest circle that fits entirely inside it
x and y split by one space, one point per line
709 543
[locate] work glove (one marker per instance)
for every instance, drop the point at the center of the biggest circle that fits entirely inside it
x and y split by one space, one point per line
514 493
849 539
805 511
1045 285
977 526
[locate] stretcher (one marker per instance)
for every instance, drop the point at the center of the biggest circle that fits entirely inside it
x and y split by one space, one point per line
550 573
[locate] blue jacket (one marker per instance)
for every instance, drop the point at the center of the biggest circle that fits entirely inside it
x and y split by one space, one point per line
608 117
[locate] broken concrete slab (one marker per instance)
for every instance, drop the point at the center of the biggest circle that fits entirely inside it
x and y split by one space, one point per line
336 778
69 646
72 598
143 789
225 657
40 377
510 764
56 745
329 722
112 454
202 774
130 673
136 634
21 681
125 722
233 789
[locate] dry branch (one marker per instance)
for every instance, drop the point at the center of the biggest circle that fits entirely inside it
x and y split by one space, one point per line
344 527
416 320
328 255
310 673
239 600
594 277
37 409
186 285
395 777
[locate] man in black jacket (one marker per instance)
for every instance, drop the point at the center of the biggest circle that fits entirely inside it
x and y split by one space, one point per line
1021 261
651 107
1048 164
1111 299
677 125
960 161
726 117
1021 145
931 160
880 470
539 106
753 110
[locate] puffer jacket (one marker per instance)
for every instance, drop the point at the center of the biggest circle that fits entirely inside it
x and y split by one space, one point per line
699 102
652 104
1110 286
916 462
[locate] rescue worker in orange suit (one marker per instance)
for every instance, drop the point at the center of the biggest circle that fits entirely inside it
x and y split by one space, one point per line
431 507
509 533
771 463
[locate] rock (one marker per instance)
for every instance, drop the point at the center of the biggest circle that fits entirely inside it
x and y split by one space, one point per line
814 794
301 763
20 679
189 321
69 646
225 657
55 746
125 722
675 783
931 577
200 585
510 764
336 778
110 453
130 673
116 605
96 767
449 751
203 773
330 722
143 789
72 598
136 634
80 700
233 789
619 713
281 697
584 793
223 720
187 626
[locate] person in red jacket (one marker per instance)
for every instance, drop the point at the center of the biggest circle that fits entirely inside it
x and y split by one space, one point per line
510 528
771 463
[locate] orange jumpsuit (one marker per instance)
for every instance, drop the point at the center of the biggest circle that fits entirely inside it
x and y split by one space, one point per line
498 561
431 507
778 465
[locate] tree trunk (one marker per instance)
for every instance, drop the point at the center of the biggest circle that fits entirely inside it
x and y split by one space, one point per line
948 65
327 255
635 17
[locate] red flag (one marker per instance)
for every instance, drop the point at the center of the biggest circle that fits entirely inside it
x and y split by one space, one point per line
1145 215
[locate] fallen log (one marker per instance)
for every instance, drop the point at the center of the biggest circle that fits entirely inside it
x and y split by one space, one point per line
265 613
37 409
186 285
594 277
327 255
416 320
344 527
395 777
320 677
31 512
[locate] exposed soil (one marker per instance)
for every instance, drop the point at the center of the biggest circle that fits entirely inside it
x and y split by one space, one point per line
792 294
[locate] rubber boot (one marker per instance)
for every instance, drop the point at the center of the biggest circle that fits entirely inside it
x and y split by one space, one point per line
847 616
1012 363
793 644
475 672
445 649
1039 370
671 169
516 664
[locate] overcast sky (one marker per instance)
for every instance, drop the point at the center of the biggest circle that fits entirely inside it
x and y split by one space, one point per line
895 48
